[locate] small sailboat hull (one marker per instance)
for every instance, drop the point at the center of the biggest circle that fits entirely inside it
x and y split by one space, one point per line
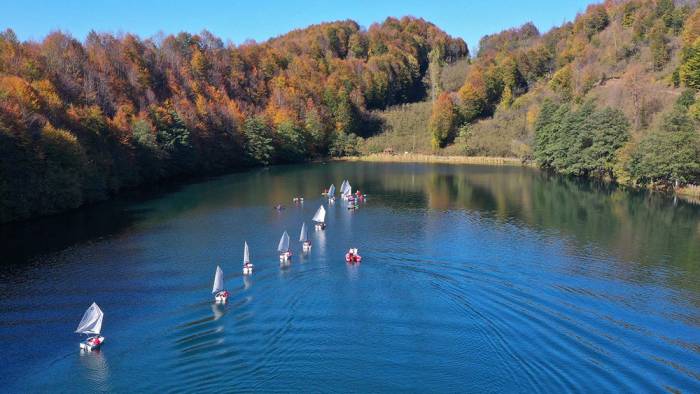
320 226
306 246
285 257
248 269
221 297
92 343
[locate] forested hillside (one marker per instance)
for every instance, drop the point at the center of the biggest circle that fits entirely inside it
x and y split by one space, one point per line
82 120
612 94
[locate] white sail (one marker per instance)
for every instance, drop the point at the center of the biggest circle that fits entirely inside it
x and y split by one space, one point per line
343 186
246 253
91 323
320 215
348 189
331 191
304 236
218 281
284 243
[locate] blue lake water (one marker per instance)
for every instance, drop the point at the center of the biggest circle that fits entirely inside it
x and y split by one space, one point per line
473 279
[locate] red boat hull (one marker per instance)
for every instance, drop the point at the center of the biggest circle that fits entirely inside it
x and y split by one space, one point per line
353 259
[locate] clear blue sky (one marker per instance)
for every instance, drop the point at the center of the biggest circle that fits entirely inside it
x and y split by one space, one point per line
239 20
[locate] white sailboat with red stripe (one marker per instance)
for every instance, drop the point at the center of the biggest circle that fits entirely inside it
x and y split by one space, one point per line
91 325
220 294
247 265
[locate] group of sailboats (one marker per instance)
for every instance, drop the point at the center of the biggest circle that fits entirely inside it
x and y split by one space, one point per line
347 195
91 323
220 293
283 247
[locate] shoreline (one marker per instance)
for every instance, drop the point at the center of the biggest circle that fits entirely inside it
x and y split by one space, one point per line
688 193
426 158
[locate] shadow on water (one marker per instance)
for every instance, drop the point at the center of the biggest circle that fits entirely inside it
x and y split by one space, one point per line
22 241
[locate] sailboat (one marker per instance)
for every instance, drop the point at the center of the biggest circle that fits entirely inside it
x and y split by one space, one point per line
345 190
304 238
220 295
342 188
91 325
283 248
247 265
331 194
320 218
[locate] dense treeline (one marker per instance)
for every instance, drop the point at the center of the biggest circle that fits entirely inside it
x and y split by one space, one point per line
548 97
580 141
79 121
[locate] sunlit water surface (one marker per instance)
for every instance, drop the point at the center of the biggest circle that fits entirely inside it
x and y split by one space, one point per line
473 279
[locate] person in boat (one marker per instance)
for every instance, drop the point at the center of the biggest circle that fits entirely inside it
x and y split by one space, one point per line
279 207
352 256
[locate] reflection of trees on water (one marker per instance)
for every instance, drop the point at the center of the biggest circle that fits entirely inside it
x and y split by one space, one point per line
636 226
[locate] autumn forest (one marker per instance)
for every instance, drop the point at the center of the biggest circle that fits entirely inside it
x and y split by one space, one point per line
611 94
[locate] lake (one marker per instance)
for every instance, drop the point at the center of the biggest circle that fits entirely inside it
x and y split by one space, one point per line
473 279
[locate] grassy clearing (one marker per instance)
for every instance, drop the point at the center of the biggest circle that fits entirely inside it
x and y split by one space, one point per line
452 75
405 130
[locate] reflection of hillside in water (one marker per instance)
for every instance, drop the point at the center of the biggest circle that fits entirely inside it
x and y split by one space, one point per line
634 226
